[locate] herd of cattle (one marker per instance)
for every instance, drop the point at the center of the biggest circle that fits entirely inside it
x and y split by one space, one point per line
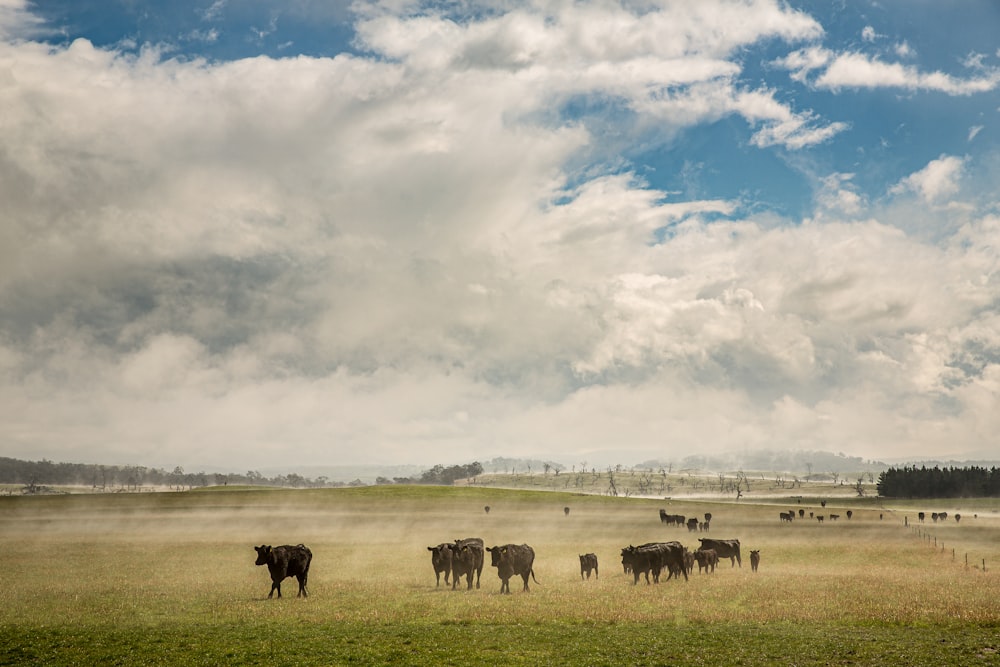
466 557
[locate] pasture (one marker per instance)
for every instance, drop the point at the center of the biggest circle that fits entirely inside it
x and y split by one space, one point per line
168 578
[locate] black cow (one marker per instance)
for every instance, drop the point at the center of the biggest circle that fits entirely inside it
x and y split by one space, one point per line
723 549
441 560
513 559
692 525
466 560
283 562
588 562
652 558
706 558
754 559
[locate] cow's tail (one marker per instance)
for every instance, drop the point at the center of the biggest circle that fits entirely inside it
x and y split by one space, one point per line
532 573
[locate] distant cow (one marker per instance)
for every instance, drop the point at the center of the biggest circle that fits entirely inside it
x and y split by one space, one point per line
706 558
588 562
663 516
692 525
786 516
724 549
441 560
283 562
513 559
834 517
754 559
466 560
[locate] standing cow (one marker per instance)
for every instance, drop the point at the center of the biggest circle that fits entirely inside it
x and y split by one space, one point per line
441 560
513 559
588 562
283 562
706 558
723 549
466 560
754 559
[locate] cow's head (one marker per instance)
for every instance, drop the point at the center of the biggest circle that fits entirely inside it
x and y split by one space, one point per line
263 554
496 553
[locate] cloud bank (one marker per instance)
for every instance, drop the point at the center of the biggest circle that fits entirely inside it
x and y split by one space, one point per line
426 251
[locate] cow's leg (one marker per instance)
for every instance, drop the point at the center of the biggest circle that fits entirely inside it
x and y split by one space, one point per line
303 578
595 573
275 586
525 577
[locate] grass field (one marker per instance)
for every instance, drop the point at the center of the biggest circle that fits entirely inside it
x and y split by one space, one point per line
168 578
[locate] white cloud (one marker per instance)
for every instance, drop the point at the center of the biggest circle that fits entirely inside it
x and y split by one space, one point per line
857 70
389 256
974 131
868 34
939 179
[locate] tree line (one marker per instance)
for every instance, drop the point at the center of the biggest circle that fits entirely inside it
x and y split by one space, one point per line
439 475
36 475
923 482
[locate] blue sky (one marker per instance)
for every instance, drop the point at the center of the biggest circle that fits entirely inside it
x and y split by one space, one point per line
239 233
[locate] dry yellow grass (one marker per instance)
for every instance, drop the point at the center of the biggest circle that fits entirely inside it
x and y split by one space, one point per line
149 559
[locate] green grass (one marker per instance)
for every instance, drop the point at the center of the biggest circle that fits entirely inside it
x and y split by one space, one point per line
169 579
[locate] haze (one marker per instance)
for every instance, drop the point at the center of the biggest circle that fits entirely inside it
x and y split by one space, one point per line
395 232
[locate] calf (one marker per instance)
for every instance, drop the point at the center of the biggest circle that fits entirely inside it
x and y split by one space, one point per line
441 560
283 562
754 559
588 562
706 558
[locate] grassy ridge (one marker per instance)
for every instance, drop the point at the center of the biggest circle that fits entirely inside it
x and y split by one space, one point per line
169 579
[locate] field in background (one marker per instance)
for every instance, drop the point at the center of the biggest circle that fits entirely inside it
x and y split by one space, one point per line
169 579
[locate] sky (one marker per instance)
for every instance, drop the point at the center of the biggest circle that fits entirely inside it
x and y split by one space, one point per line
252 233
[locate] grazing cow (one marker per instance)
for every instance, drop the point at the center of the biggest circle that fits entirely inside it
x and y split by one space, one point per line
819 518
786 516
754 559
706 558
723 549
692 525
441 560
588 562
513 559
466 560
834 517
283 562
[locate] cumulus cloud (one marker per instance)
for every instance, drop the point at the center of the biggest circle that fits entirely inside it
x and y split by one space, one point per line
380 255
939 179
